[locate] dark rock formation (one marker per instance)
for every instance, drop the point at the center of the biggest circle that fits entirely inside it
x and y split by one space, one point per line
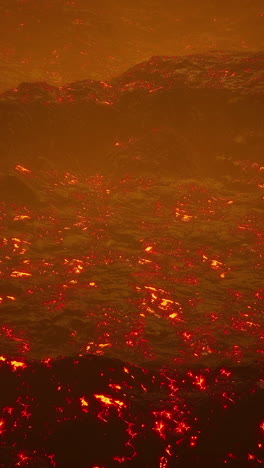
15 189
92 411
210 105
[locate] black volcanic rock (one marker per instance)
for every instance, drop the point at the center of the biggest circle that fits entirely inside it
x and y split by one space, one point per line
95 411
15 189
210 105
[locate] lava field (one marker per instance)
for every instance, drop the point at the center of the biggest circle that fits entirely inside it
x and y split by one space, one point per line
132 320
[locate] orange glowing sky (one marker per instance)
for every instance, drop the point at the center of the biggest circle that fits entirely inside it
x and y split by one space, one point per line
60 41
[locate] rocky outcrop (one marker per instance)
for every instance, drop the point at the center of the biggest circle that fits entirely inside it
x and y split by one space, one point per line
210 106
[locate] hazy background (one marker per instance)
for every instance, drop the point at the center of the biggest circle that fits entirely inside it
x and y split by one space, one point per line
60 41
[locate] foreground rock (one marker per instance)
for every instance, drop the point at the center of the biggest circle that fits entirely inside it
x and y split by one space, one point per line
91 411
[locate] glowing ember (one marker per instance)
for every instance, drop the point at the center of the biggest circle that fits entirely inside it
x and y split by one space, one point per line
109 401
21 217
2 423
20 274
83 402
22 169
149 248
22 459
17 364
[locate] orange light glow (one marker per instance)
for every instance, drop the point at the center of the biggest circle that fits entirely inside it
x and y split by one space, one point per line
21 217
193 441
109 400
173 315
142 261
115 386
104 399
163 462
186 218
159 426
20 274
149 248
22 459
182 427
22 169
84 402
17 364
1 427
215 264
165 303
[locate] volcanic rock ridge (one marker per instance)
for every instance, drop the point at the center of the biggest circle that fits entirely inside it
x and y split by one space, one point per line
182 114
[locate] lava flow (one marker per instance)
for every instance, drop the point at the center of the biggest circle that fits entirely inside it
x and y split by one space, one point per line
132 323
